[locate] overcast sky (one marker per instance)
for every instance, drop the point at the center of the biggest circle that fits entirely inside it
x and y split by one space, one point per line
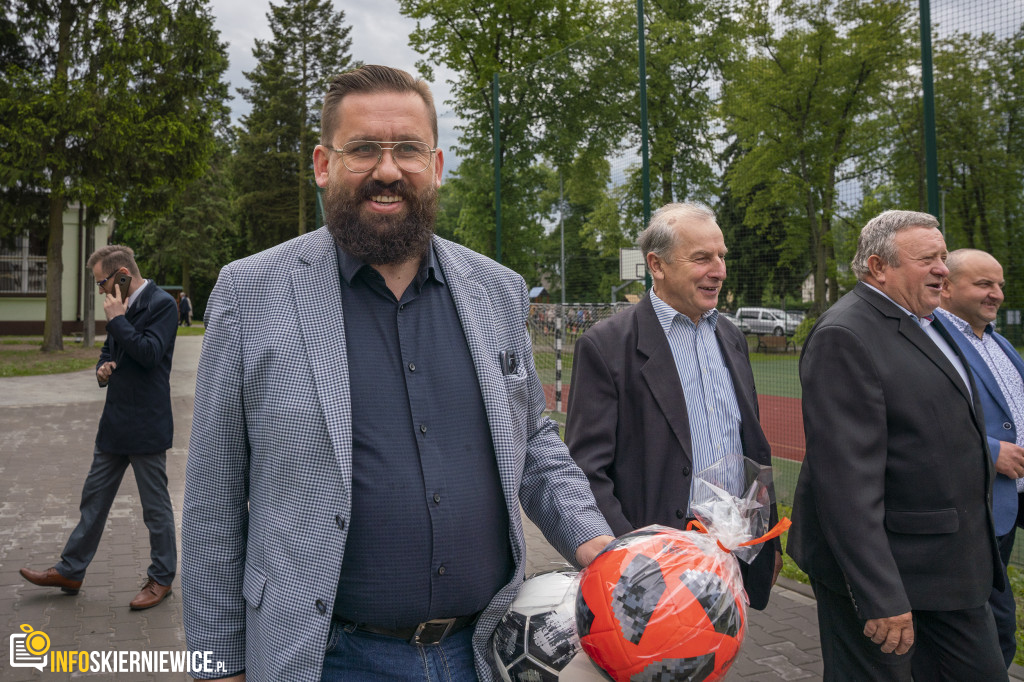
380 35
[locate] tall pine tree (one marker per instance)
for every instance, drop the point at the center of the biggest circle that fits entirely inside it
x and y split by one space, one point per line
109 103
273 166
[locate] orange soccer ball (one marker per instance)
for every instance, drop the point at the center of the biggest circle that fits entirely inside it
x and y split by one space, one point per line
663 604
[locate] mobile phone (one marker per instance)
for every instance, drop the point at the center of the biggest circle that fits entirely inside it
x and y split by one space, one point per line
123 282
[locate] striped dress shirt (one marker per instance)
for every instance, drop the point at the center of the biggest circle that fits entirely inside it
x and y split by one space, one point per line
711 406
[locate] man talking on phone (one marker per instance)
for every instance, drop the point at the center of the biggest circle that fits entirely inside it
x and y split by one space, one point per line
136 427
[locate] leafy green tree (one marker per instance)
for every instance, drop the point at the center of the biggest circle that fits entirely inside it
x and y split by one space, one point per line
109 104
766 261
979 93
688 45
196 237
557 83
801 106
273 168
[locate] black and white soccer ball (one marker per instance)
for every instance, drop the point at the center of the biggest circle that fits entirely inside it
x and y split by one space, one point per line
537 637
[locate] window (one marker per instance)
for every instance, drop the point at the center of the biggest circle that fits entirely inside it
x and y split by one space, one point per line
23 266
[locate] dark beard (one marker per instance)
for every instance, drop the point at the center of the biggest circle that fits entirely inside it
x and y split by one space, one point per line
381 239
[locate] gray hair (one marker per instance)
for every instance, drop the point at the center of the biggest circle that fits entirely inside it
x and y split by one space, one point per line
659 237
878 238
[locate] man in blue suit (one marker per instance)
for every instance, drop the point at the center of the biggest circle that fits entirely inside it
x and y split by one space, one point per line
971 296
136 426
368 425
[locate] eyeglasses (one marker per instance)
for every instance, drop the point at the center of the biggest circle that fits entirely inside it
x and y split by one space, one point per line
106 279
362 156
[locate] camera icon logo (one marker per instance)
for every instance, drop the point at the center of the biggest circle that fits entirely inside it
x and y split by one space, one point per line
29 648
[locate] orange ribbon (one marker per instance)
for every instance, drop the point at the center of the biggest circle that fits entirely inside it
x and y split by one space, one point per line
781 527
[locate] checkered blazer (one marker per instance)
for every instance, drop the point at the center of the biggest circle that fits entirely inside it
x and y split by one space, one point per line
269 479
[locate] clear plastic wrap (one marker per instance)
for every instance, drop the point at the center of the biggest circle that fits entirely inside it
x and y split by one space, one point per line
537 637
733 520
665 604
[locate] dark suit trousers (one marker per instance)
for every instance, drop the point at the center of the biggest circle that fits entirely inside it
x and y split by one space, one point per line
953 646
98 495
1004 608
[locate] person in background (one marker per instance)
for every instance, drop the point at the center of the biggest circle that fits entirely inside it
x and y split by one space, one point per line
663 390
891 515
184 311
971 296
136 427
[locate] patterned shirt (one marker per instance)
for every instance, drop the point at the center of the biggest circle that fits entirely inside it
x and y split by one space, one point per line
1007 376
711 405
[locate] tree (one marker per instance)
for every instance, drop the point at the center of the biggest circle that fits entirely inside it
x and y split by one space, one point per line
979 97
559 84
273 167
110 105
688 45
191 241
800 106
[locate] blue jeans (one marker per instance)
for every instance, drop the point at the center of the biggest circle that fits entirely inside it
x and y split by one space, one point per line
357 656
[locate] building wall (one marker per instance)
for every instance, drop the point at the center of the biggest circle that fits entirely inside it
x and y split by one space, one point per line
26 314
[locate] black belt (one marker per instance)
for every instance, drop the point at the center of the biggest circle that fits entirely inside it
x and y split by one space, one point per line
428 632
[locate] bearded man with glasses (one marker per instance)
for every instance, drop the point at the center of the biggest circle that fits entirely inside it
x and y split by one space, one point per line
368 424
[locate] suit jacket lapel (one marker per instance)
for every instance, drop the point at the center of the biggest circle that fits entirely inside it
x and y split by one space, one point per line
1011 353
317 293
979 367
947 367
660 373
912 332
734 358
479 323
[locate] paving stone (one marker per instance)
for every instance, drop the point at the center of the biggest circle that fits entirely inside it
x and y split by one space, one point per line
793 654
44 458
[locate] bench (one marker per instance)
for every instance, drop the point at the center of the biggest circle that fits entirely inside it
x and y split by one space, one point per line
770 342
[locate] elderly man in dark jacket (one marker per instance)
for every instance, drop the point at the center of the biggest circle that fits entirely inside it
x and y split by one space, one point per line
136 426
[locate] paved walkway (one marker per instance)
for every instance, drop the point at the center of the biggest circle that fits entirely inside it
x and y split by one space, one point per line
48 425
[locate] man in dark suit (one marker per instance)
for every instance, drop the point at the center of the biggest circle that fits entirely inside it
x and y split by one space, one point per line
135 428
891 518
664 390
971 296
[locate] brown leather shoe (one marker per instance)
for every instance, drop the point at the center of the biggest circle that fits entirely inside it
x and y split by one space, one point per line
51 578
152 593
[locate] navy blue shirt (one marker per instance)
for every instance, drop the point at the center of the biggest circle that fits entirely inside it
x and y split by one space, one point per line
429 531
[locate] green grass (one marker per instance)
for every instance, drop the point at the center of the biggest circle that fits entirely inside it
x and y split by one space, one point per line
194 330
1017 584
776 374
789 567
32 362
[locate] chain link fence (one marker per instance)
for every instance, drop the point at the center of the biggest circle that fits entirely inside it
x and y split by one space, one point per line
796 122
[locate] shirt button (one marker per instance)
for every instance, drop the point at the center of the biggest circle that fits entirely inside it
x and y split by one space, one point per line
401 307
340 521
686 471
437 498
1007 425
412 366
423 428
321 607
441 570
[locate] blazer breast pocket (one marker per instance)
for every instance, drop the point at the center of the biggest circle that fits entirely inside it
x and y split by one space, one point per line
518 387
930 522
253 584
